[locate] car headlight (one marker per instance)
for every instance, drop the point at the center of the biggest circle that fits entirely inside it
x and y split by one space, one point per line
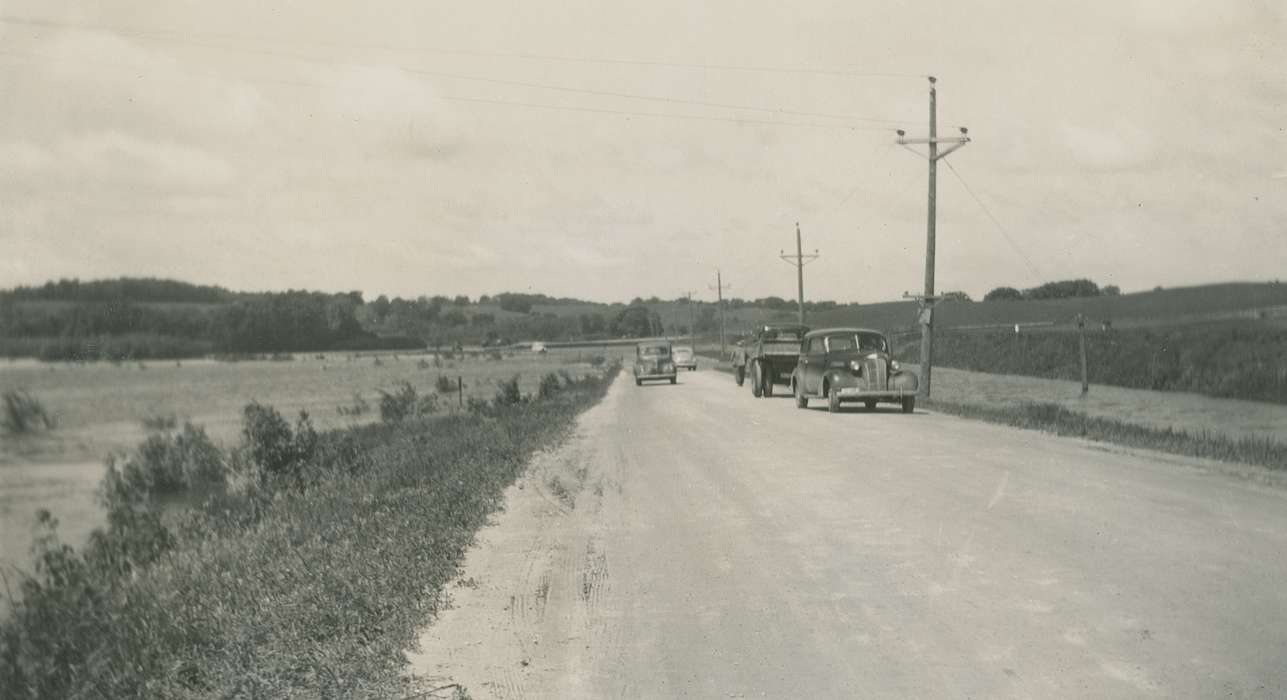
856 366
893 364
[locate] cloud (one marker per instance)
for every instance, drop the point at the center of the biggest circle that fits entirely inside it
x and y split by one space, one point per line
1106 149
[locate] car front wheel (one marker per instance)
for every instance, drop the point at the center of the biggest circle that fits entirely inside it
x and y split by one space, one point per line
801 401
757 388
833 401
909 404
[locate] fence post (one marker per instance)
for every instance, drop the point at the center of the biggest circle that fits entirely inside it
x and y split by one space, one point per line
460 390
1081 334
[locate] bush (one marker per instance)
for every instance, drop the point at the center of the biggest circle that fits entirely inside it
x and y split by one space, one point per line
508 393
598 360
166 465
160 423
357 408
24 413
549 386
273 446
311 593
445 385
405 402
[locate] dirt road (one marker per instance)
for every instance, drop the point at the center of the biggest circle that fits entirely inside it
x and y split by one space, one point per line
692 541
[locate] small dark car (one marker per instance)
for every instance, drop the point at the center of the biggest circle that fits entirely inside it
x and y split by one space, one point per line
653 361
851 364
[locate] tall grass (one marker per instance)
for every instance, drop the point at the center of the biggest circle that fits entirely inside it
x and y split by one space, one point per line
309 582
1236 360
23 413
1060 420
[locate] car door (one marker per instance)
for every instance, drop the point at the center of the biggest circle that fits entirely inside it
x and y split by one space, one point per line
813 362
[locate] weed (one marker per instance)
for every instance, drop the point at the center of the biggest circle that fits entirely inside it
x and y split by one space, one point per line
507 392
24 413
445 385
549 386
359 407
160 422
405 402
273 446
312 592
1062 421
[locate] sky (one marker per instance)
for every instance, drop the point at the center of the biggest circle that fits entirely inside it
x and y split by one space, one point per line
606 150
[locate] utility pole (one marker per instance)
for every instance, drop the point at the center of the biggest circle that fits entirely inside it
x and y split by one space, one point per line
928 299
719 292
692 333
800 261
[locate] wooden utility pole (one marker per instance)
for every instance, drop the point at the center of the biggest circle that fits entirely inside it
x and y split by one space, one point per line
719 294
800 260
928 299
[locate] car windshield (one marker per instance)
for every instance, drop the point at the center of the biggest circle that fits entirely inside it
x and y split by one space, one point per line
654 351
783 335
862 342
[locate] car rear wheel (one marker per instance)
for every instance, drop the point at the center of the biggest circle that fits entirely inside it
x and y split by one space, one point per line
909 404
801 401
672 380
871 405
833 401
638 382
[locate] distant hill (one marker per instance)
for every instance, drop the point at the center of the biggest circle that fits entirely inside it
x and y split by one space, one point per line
130 289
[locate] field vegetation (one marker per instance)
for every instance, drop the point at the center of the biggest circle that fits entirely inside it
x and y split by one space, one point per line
1057 419
303 568
23 413
1245 360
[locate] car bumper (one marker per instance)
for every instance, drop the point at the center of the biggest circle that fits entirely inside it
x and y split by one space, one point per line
657 375
868 394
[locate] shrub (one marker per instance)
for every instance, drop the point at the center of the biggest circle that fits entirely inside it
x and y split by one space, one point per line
508 393
273 446
160 423
405 402
444 385
549 386
357 408
598 360
24 413
166 464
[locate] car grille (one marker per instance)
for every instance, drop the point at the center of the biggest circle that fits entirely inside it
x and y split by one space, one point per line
874 371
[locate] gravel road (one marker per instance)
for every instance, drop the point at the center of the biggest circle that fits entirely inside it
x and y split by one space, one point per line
691 541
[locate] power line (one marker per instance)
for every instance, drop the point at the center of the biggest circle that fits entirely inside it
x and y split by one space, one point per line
994 219
809 70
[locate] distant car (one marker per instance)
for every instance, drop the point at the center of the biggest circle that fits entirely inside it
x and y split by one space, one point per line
653 360
685 357
538 347
851 364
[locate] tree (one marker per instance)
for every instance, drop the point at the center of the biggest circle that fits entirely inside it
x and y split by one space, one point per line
1004 294
634 321
1063 289
1111 290
380 307
956 296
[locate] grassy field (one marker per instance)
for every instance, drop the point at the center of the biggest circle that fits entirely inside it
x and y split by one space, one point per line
1235 359
100 409
304 568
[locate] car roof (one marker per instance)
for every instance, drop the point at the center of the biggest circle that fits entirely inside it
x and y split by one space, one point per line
654 344
784 327
839 330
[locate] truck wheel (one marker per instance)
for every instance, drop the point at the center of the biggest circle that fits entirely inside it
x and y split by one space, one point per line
672 380
833 401
909 404
801 401
638 382
871 405
739 374
768 381
757 389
